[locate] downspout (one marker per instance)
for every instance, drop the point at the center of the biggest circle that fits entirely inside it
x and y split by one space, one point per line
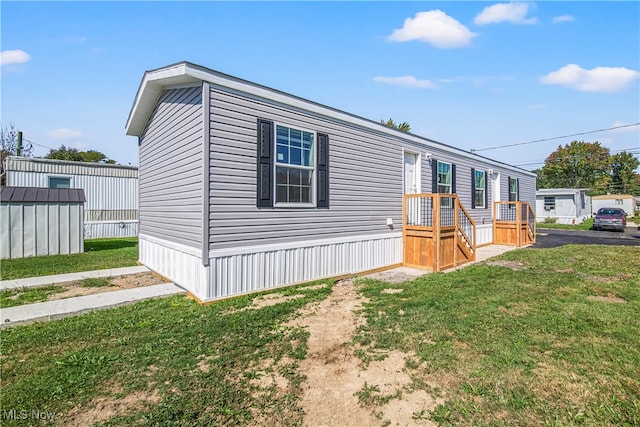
206 175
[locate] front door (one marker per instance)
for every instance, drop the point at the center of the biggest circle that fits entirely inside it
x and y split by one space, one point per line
411 176
495 190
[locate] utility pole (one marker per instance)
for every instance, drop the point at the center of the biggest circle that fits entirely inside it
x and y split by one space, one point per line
19 147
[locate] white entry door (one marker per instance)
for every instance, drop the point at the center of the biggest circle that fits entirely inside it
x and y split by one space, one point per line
495 191
411 175
412 186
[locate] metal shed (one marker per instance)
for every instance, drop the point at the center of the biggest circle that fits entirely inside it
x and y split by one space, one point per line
41 221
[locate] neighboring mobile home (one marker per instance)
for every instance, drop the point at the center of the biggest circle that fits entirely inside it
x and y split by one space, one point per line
111 190
624 201
566 205
244 188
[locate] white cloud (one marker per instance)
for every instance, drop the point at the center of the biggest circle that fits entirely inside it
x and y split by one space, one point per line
628 127
563 18
14 57
64 133
406 81
599 79
515 13
434 27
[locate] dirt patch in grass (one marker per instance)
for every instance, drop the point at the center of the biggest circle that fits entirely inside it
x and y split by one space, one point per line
76 288
513 265
127 281
339 390
616 300
392 291
103 408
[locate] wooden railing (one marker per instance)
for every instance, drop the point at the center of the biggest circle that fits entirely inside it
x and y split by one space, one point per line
514 224
437 232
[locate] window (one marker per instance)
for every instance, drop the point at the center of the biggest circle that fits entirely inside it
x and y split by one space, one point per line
444 178
294 165
619 202
479 189
59 182
514 189
549 203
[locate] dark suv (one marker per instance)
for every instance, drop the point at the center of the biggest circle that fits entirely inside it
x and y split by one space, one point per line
610 218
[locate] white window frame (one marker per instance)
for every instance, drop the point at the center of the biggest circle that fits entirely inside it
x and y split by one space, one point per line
479 203
450 185
49 177
549 205
276 164
515 195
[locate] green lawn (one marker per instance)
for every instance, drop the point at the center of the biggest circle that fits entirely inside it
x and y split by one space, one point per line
98 254
541 337
586 225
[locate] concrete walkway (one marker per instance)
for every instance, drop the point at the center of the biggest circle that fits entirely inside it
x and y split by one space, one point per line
59 278
50 310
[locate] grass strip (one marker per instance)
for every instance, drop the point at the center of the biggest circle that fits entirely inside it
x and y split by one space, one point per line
98 254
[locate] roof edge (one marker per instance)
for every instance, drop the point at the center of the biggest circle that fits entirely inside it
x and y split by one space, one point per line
153 82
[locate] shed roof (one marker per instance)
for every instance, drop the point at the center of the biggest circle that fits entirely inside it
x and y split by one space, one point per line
67 167
186 73
612 197
559 191
42 195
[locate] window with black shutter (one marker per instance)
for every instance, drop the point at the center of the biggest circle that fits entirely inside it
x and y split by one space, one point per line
293 166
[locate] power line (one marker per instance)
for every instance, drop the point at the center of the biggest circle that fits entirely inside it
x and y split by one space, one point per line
39 145
555 137
628 150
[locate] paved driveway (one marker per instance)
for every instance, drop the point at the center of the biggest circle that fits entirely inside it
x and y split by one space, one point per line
550 238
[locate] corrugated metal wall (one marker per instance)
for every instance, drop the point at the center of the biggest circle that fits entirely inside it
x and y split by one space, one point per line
34 229
102 192
107 229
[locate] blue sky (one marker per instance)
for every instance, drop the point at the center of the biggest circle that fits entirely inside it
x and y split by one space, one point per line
469 74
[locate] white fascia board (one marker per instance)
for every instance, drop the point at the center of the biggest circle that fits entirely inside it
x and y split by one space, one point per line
154 81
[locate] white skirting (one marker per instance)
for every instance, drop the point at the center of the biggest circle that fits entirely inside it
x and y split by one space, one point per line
108 229
180 264
484 234
248 269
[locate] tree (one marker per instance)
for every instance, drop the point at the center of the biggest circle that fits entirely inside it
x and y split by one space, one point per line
403 127
91 156
11 146
624 178
578 164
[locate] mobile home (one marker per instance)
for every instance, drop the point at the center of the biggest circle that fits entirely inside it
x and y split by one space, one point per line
566 205
111 190
244 187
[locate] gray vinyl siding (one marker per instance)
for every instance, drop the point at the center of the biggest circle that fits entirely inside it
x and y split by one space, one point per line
171 149
365 169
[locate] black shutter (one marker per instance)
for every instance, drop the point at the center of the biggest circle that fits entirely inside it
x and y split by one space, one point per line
486 196
434 176
517 188
323 171
453 179
264 175
473 188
